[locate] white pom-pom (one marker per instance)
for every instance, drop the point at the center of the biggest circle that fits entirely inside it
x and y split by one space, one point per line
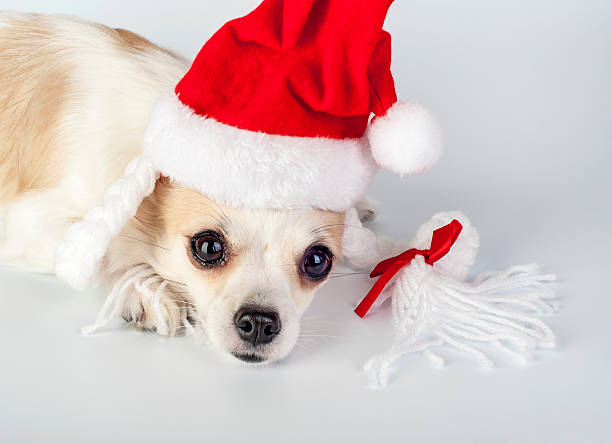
407 139
458 262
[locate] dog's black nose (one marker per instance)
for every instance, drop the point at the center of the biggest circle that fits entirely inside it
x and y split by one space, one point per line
257 326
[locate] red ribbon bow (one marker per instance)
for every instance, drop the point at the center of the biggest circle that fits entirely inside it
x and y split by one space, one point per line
441 242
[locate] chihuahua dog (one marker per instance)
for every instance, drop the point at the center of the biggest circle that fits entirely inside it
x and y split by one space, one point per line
75 98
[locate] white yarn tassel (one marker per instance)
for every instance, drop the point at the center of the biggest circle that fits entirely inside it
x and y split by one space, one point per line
117 299
433 305
78 258
143 283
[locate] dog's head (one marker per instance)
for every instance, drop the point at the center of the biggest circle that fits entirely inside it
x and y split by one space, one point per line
247 276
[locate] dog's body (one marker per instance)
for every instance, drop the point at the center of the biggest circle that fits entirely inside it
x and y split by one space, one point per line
74 102
75 98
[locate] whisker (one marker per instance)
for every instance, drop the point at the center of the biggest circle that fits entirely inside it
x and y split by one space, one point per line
175 282
184 301
323 326
307 341
156 276
276 265
178 307
320 324
348 273
318 336
340 276
322 315
222 222
325 228
145 242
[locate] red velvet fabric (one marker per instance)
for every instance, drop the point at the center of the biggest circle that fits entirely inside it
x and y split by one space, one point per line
296 67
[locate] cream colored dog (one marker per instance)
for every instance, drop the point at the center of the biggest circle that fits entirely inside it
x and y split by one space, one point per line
75 98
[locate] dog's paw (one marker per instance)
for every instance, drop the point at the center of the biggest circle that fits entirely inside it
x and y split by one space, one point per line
366 209
167 316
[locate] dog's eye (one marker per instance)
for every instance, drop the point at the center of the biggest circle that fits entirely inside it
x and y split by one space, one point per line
208 248
317 262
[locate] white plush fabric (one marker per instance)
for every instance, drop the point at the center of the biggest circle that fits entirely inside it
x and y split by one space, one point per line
362 247
256 170
407 139
435 305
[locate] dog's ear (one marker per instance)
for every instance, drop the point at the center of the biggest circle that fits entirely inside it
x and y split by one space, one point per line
143 237
366 209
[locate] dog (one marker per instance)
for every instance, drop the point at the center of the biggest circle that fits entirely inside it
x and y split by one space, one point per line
75 98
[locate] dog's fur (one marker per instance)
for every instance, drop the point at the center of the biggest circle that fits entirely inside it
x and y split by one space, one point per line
74 102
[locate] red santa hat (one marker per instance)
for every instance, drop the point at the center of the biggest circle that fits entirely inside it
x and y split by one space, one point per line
273 113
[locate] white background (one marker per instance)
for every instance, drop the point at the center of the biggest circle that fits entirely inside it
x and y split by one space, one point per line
523 90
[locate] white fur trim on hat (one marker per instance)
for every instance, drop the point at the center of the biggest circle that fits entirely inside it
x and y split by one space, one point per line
407 139
255 170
